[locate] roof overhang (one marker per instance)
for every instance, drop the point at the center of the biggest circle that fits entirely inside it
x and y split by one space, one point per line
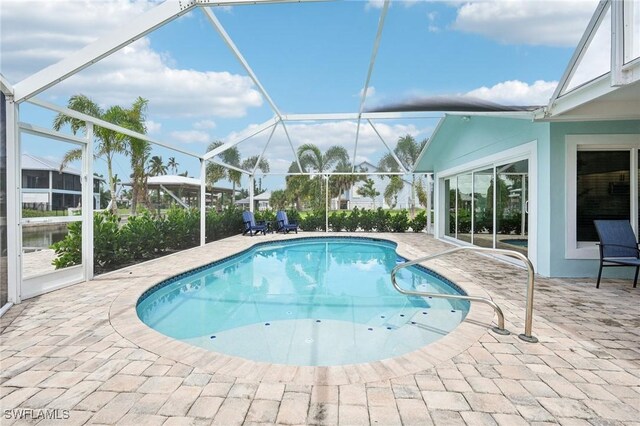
597 100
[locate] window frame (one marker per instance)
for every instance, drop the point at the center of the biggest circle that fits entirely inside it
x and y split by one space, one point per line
526 151
602 142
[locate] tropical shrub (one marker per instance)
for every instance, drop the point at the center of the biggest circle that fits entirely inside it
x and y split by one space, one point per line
367 220
352 221
69 249
337 221
381 220
107 242
419 222
399 222
313 221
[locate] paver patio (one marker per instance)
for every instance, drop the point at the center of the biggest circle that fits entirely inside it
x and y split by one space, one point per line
64 350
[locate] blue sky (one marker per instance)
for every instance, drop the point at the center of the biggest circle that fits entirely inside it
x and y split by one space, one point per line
311 58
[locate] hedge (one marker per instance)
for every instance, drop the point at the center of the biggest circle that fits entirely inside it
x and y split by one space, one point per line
147 236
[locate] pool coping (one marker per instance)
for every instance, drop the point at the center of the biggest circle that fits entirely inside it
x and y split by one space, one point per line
124 319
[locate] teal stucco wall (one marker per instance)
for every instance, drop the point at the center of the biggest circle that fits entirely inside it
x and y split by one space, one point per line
459 142
559 265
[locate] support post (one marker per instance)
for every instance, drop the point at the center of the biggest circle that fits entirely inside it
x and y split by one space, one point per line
251 180
14 202
203 202
326 203
429 202
87 204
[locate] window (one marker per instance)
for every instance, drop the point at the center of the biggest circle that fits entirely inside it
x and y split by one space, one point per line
487 215
602 183
35 179
603 189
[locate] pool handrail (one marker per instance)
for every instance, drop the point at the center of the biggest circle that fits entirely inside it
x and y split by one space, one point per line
526 336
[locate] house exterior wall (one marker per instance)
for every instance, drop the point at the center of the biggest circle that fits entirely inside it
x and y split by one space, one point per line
356 200
560 266
465 143
461 145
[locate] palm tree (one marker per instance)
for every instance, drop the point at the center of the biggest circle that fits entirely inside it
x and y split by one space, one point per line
156 166
297 186
108 142
407 150
173 165
139 151
250 163
369 190
391 191
214 172
278 199
339 184
312 159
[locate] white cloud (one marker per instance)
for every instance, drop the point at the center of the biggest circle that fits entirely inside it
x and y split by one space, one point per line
153 126
551 23
374 4
37 34
371 92
515 92
432 26
204 124
190 136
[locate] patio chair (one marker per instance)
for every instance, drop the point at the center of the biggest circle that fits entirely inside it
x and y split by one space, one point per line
251 226
618 246
283 223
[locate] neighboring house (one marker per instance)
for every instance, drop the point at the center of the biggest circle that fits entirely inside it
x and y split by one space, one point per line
351 198
45 187
184 190
261 201
555 169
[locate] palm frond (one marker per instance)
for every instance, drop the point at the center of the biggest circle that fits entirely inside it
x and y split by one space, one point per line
70 156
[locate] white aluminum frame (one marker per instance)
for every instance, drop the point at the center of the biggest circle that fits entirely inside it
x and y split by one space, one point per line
620 74
601 142
372 62
528 151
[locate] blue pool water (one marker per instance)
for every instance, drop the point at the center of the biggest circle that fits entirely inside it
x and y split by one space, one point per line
311 301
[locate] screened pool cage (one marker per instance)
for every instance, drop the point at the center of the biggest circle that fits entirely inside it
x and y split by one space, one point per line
75 189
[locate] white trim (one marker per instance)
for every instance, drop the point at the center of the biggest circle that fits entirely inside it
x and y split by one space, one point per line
203 202
604 142
527 151
14 202
50 220
87 204
50 134
105 124
41 284
5 308
583 46
5 86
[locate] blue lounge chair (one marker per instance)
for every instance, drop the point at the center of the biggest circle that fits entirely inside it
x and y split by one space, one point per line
618 246
251 226
283 223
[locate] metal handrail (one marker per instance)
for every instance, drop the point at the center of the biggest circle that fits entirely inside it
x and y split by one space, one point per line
526 336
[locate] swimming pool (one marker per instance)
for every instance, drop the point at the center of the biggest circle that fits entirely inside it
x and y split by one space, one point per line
307 301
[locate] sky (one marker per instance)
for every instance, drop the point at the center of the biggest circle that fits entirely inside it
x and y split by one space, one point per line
309 57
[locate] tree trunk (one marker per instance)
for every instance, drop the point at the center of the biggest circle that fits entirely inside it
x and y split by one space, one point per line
112 187
413 196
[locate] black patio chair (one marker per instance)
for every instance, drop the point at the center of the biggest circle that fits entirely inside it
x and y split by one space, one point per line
618 246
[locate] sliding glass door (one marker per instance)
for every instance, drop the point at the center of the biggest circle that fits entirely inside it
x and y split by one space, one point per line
489 207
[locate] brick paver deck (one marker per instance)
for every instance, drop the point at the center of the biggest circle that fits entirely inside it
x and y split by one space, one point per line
82 349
